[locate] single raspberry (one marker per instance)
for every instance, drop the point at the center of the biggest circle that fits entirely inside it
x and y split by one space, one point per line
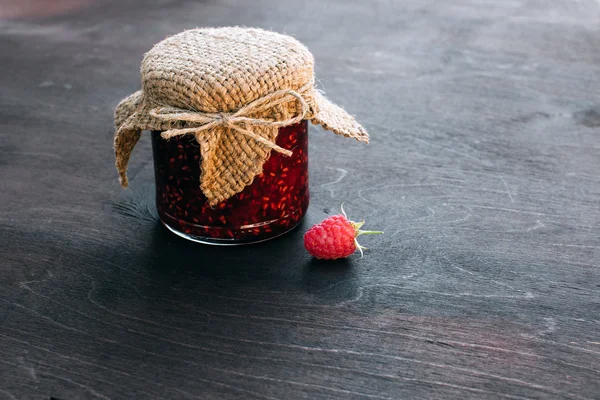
335 237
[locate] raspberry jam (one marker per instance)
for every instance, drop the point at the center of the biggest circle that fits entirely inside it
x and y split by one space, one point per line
274 203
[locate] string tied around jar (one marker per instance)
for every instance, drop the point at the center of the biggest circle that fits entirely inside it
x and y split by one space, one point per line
237 121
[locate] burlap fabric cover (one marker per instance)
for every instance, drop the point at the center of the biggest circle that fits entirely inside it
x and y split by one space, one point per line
232 88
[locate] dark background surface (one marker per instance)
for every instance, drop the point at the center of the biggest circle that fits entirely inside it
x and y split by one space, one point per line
482 170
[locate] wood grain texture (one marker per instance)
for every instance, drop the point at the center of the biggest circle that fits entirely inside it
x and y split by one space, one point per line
482 170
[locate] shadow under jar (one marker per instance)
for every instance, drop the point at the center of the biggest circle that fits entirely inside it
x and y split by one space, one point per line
274 203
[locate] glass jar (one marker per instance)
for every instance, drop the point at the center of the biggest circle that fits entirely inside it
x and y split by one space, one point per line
273 204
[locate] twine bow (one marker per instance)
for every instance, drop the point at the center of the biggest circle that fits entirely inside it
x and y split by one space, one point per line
235 121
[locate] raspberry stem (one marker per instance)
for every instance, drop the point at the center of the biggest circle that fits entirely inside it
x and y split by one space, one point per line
357 226
359 232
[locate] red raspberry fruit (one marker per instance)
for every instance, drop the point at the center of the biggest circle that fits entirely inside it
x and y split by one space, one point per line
335 237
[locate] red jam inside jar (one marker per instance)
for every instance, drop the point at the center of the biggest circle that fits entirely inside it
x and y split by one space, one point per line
274 203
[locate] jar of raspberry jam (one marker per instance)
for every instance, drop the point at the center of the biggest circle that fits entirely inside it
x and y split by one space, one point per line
228 110
274 203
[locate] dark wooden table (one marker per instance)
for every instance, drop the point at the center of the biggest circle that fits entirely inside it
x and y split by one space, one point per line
483 171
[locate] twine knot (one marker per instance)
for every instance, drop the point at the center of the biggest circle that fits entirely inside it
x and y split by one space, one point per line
224 118
237 121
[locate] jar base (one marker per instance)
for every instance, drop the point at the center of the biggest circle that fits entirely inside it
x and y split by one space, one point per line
226 242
